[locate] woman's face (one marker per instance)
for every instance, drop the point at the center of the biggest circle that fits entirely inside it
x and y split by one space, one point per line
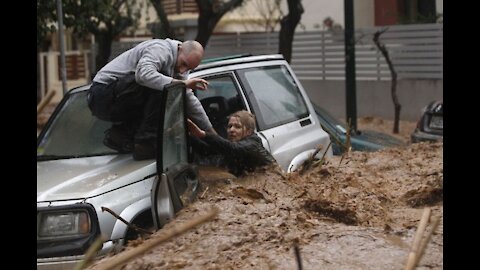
236 131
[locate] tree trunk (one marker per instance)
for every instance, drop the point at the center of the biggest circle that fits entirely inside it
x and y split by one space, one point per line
207 21
165 29
210 13
393 90
287 28
104 41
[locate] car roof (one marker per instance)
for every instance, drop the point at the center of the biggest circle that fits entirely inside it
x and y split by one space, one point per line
236 59
216 62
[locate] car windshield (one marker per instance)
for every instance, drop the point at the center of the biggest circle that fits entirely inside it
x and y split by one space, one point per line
74 132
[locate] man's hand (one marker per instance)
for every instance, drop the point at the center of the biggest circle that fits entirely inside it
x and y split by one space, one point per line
196 83
194 130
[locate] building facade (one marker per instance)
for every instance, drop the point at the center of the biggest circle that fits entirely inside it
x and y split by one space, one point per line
251 16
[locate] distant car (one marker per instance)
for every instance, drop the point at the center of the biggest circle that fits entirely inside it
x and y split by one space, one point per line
362 140
430 125
78 176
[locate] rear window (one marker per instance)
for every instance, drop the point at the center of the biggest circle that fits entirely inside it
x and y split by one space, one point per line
274 92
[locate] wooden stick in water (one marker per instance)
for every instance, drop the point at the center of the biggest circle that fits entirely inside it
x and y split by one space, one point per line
412 256
128 255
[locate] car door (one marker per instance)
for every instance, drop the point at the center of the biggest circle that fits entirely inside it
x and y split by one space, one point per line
176 183
281 110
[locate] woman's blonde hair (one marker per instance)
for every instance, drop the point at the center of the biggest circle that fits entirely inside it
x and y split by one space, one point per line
246 119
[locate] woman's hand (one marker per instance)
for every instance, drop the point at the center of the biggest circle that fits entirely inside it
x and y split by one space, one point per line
194 130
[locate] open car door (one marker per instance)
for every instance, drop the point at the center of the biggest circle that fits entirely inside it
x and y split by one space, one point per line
176 183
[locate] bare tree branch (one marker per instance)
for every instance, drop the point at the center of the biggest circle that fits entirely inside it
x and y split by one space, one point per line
288 24
396 103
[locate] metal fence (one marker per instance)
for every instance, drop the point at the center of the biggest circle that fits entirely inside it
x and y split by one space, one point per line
415 50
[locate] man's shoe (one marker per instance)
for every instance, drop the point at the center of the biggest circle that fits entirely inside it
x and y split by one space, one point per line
117 140
144 150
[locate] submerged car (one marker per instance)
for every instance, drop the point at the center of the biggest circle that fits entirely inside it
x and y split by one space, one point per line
78 178
81 182
430 125
361 140
267 87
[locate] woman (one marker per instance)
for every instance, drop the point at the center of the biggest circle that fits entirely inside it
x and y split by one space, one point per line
243 151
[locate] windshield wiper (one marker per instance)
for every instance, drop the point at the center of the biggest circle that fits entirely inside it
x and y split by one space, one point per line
56 157
53 157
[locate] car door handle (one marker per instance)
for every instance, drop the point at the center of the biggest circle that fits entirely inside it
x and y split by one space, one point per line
305 122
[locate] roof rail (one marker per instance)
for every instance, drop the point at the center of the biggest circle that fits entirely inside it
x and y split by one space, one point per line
241 58
227 57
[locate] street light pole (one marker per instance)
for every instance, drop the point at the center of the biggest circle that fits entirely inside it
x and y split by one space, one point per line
350 66
63 71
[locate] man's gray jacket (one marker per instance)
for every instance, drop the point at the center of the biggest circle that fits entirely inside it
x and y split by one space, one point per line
153 63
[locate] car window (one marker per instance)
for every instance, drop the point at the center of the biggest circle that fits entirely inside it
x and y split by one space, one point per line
220 100
74 131
274 92
219 86
174 148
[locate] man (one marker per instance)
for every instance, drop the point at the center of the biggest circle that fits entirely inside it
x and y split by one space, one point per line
127 92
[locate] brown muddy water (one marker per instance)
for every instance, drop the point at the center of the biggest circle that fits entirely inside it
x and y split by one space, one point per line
359 212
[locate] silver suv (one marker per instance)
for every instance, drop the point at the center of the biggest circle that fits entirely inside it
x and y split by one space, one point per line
267 87
78 177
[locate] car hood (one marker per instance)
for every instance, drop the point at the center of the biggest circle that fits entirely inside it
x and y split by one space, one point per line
370 140
79 178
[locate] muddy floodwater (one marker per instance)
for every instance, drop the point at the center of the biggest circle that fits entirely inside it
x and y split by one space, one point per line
359 211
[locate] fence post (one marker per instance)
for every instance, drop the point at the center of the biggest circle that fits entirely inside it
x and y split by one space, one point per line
42 75
322 45
85 64
379 67
268 42
239 42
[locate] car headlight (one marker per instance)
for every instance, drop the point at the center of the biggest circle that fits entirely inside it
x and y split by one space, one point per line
63 224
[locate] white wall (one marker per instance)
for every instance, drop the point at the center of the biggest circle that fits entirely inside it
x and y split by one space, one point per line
373 98
317 10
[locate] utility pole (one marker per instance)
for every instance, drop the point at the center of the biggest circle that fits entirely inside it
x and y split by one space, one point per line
63 71
350 66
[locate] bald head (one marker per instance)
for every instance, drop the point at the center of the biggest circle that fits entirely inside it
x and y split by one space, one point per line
190 54
192 46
